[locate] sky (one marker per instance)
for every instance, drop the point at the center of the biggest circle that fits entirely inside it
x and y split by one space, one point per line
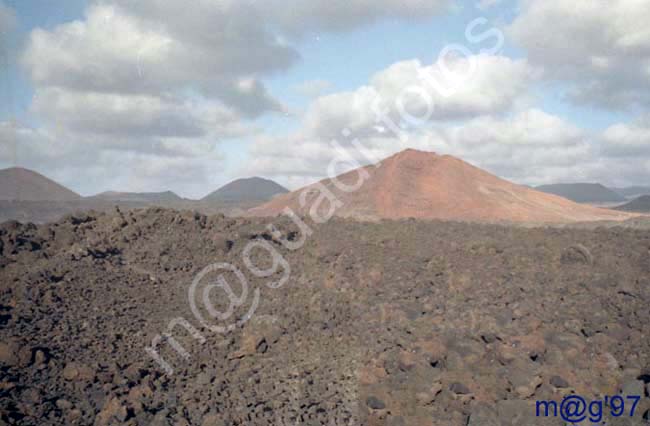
155 95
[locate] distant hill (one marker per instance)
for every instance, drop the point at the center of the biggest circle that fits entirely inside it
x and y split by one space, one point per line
633 191
19 184
246 190
638 205
583 192
142 197
424 185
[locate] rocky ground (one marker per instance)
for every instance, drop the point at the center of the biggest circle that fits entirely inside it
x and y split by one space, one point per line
50 211
389 323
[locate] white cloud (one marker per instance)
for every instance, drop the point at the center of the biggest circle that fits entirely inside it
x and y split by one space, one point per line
137 93
141 91
602 47
375 114
341 15
410 91
218 49
530 146
92 164
7 18
113 51
628 140
298 18
138 106
135 116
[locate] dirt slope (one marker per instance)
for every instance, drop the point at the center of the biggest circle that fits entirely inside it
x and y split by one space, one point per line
425 185
21 184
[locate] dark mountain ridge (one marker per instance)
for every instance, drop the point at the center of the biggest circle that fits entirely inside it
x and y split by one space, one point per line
246 190
20 184
583 192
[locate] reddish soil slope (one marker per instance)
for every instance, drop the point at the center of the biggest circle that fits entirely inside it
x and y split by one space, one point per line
430 186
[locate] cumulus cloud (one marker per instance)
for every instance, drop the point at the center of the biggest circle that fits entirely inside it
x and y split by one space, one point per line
535 147
136 116
132 103
187 167
628 140
146 88
529 146
219 49
113 51
624 153
296 19
408 104
603 48
341 15
409 93
7 18
135 95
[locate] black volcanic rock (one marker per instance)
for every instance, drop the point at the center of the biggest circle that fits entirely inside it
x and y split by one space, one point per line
638 205
244 190
19 184
500 316
583 192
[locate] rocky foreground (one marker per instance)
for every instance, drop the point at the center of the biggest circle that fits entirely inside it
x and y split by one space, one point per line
391 323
